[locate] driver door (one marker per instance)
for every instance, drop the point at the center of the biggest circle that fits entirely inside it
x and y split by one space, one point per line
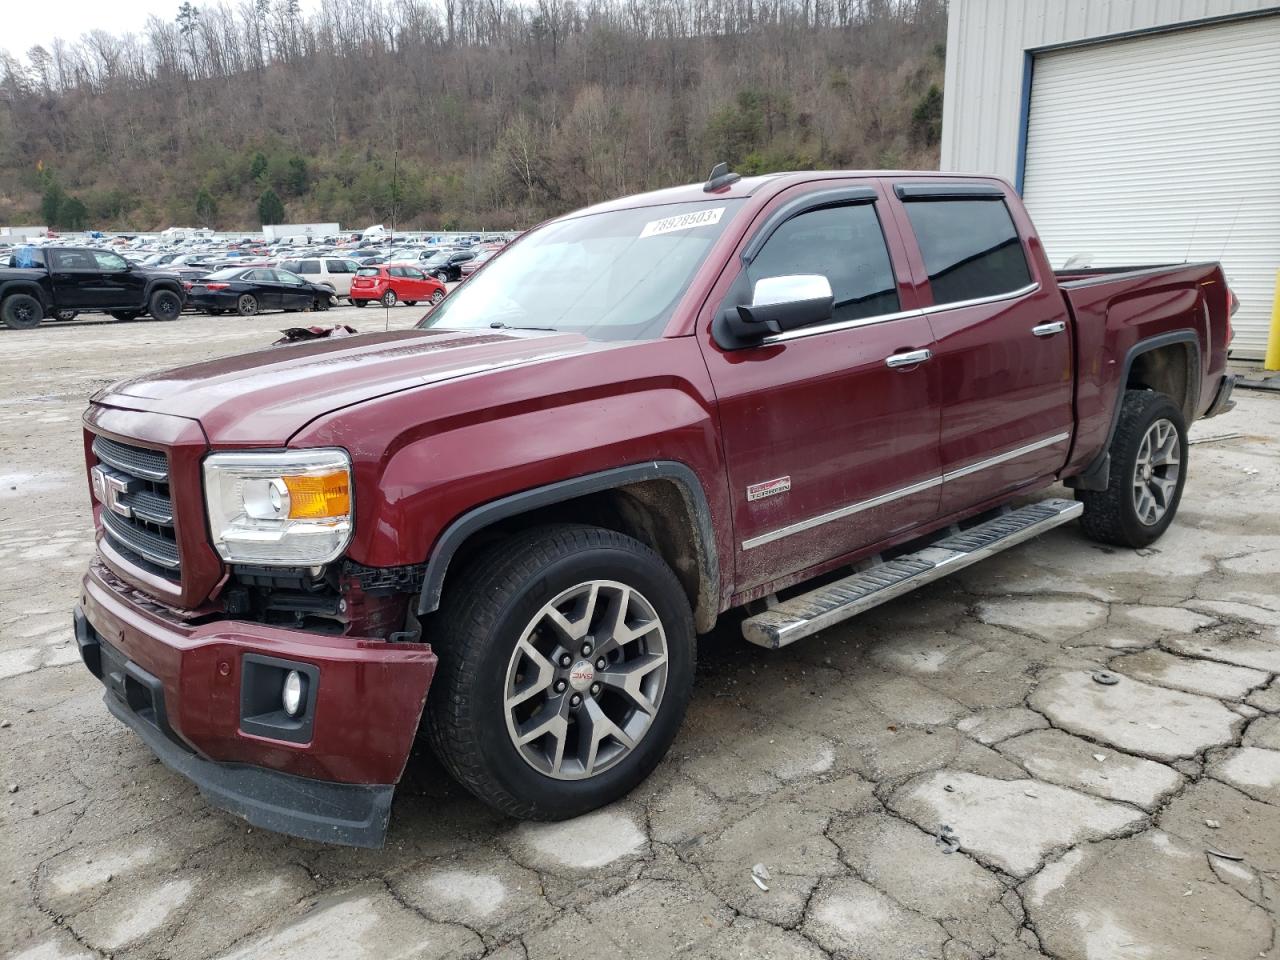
831 439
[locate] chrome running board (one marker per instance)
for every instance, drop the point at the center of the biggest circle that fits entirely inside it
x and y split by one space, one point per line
818 609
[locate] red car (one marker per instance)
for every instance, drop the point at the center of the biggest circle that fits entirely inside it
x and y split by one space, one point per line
394 282
505 528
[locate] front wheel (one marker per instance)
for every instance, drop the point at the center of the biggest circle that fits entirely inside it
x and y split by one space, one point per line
125 315
359 303
65 314
437 297
1148 472
566 672
322 303
165 305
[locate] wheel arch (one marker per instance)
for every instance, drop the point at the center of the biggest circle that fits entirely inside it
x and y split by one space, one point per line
31 288
660 503
1167 363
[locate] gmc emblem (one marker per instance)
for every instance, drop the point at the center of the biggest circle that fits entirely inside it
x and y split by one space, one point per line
110 487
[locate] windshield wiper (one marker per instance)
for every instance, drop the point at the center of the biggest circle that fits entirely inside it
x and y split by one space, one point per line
499 325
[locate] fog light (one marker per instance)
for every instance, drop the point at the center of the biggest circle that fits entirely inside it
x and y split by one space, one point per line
291 695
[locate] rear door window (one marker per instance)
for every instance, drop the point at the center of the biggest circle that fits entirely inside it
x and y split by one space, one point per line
337 266
971 248
308 266
845 245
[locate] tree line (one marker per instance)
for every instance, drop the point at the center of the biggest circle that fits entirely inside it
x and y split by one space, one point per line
443 113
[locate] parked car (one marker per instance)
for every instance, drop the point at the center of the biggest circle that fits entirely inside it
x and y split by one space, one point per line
336 273
250 290
468 267
447 264
640 416
391 283
78 279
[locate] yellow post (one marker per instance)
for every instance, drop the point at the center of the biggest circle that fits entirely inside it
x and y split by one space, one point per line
1273 341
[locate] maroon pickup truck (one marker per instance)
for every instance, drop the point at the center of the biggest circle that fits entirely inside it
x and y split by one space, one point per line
801 394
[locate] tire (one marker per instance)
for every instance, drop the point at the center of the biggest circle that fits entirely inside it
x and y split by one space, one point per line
215 311
411 303
65 314
125 314
247 305
500 599
389 299
322 303
164 305
1148 471
359 303
437 297
21 311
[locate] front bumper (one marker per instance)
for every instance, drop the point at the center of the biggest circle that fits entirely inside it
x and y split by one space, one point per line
188 691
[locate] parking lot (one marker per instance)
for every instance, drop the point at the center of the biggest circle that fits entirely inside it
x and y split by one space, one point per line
1069 751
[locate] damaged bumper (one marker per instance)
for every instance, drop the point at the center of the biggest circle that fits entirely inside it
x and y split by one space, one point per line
206 698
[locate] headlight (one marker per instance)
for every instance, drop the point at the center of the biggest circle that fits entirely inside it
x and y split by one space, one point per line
290 508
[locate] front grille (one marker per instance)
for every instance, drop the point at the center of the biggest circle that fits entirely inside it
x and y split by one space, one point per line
143 528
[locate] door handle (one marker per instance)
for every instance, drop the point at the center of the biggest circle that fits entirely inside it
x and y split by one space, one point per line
1049 329
907 359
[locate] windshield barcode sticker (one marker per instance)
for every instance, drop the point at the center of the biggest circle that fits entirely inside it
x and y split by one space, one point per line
685 221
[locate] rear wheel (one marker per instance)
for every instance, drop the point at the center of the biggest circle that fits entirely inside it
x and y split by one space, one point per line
165 305
21 311
247 305
1148 472
389 298
566 673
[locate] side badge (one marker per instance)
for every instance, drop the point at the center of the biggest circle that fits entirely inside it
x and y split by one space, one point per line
758 491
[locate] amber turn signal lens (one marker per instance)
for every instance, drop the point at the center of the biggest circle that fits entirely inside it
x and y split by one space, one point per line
319 497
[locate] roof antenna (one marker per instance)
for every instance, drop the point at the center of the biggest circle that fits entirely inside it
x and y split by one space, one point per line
720 178
1194 227
1230 230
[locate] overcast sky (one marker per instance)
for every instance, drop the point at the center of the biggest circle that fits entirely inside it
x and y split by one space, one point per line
28 22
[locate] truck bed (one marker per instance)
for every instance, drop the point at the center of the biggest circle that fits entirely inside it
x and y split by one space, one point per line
1184 306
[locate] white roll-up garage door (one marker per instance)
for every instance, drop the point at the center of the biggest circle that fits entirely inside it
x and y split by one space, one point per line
1161 149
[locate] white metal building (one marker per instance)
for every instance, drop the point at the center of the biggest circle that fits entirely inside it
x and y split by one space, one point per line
1137 131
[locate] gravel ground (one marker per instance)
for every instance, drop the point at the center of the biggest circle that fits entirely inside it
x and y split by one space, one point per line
1133 821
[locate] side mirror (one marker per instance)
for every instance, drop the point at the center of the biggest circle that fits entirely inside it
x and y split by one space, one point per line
786 303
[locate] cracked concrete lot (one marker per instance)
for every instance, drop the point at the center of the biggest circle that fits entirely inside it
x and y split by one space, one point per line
1133 821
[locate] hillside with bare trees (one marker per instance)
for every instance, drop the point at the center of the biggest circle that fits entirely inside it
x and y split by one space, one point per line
433 113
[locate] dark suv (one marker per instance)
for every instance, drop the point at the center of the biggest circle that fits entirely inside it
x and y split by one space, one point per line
447 265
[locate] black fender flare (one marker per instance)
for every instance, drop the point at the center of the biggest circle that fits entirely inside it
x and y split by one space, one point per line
1097 474
476 519
163 283
31 288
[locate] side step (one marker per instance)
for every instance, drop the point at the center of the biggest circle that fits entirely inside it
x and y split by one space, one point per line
818 609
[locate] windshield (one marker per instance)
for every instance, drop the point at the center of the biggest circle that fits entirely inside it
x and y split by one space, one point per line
608 276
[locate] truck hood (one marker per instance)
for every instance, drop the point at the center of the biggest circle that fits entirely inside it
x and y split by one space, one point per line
263 398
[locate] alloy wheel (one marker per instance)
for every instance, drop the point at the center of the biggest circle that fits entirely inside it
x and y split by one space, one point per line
1156 471
585 680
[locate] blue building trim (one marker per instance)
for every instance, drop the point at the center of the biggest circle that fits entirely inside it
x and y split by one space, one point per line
1024 117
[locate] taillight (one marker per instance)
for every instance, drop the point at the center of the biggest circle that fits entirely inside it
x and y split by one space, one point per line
217 286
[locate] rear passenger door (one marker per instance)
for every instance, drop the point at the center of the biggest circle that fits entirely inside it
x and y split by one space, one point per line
830 431
1003 339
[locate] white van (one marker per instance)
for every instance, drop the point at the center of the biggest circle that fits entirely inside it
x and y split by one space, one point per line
336 273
